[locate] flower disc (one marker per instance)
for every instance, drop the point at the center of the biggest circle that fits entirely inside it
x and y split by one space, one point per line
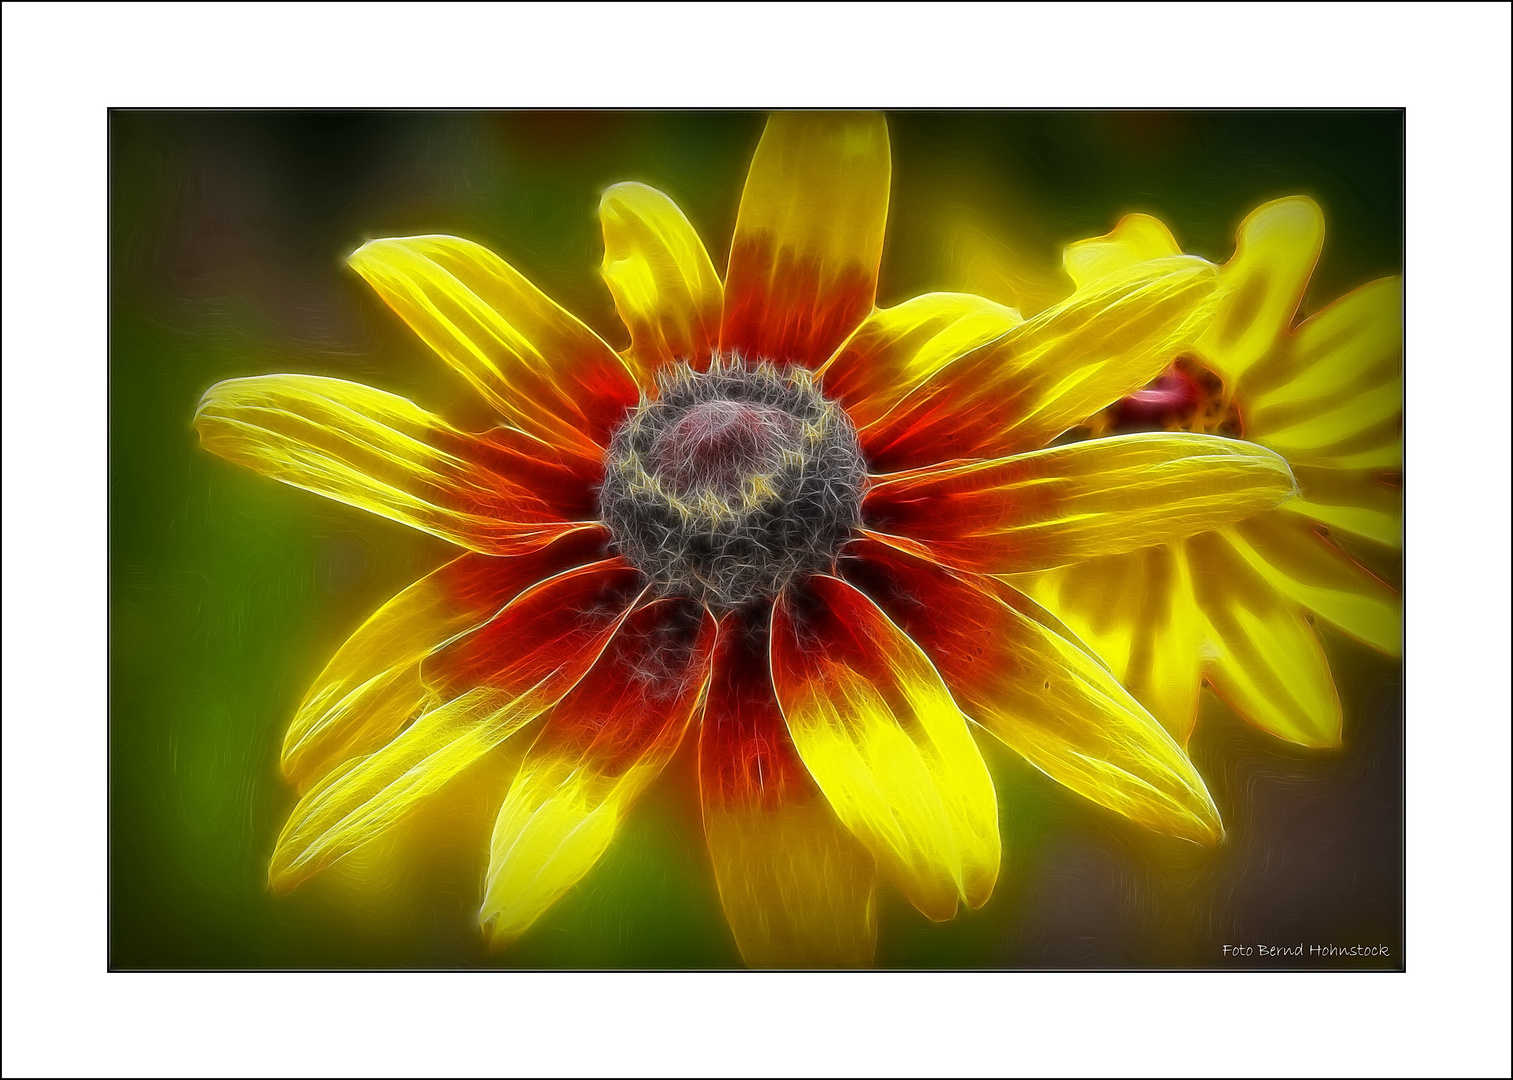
731 482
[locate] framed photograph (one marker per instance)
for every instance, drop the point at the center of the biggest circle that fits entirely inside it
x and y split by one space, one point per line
783 540
564 539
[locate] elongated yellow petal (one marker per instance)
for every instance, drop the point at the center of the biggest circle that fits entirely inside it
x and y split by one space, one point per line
1275 252
602 745
1334 398
1353 345
1021 390
797 888
663 281
1287 552
900 347
1268 665
1366 423
372 686
554 632
1362 502
808 237
1138 238
878 731
1040 693
1378 450
541 368
384 454
1380 525
1136 612
368 795
1101 497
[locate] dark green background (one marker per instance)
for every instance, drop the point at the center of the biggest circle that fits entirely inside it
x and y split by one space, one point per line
229 591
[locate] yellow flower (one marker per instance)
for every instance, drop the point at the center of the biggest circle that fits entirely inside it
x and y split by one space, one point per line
1235 604
774 518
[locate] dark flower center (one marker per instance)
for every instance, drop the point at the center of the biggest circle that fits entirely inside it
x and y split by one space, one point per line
729 483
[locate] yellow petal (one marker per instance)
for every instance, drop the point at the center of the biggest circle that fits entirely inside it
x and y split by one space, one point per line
1362 502
1023 389
368 795
808 237
541 368
552 639
1040 693
1136 612
1288 553
372 686
798 890
384 454
1079 501
1354 344
1382 526
1138 238
1268 665
1275 252
900 347
663 281
1335 396
601 746
1368 425
878 731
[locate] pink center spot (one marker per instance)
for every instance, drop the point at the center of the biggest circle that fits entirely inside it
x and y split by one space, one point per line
717 444
1186 397
1169 400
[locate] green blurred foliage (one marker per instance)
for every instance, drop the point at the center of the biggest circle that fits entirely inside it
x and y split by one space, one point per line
229 591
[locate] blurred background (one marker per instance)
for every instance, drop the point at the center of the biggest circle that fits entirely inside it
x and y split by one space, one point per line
229 592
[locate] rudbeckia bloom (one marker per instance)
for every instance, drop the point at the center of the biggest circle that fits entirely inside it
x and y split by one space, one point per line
774 517
1236 604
